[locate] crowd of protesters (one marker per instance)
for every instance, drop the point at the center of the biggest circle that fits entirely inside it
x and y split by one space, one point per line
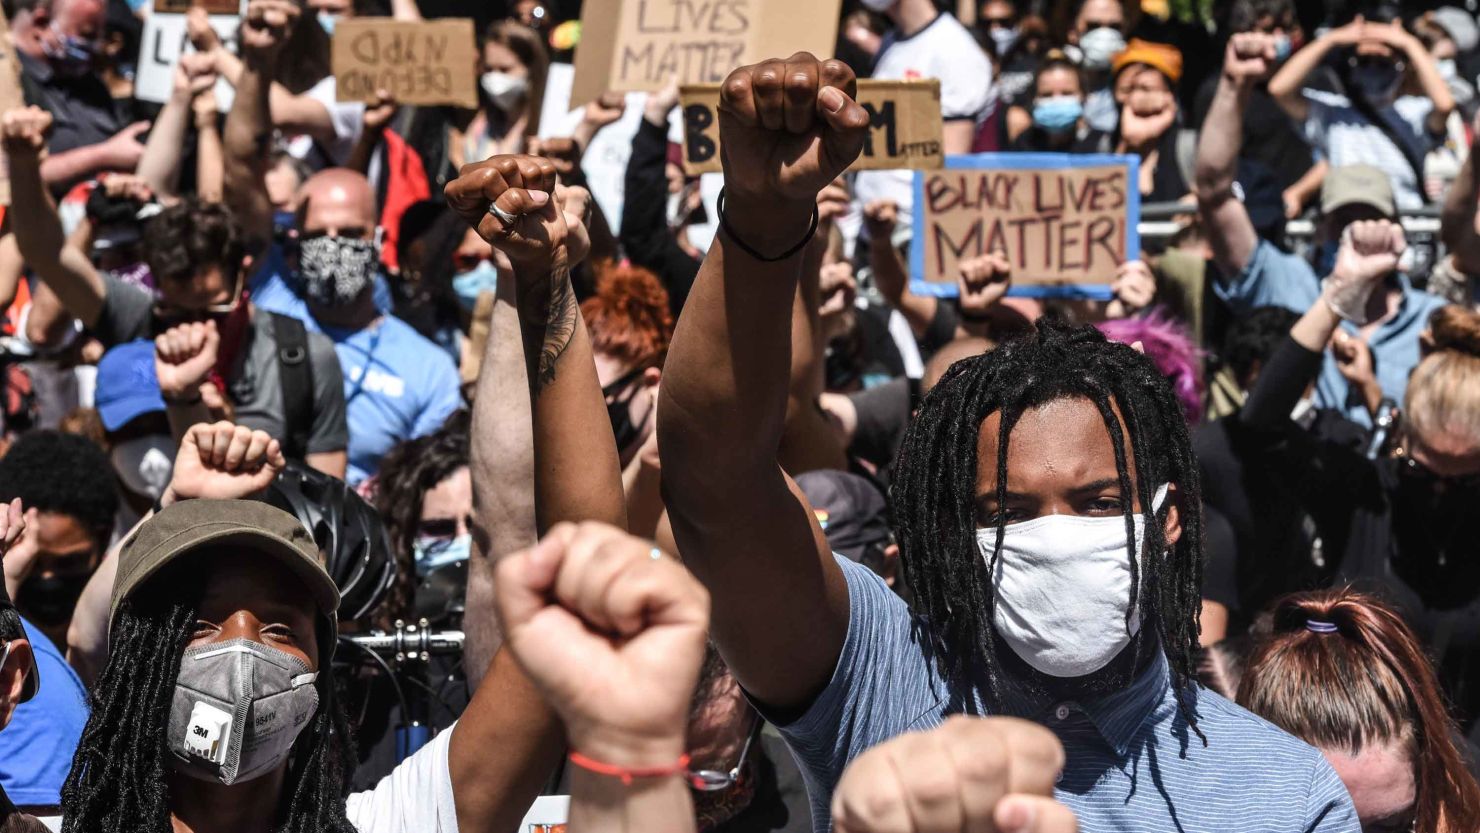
388 468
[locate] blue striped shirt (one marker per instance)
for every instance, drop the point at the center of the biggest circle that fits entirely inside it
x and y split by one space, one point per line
1132 762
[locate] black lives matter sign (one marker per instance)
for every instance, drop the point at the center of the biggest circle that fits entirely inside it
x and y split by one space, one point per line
904 126
642 44
1063 221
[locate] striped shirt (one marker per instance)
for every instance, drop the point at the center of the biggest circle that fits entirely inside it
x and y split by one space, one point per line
1132 762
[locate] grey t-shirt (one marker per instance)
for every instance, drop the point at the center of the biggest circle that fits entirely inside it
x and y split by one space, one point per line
256 382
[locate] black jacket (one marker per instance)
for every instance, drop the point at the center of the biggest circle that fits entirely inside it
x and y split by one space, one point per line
645 236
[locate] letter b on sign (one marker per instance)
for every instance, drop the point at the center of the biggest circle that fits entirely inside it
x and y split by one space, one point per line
697 119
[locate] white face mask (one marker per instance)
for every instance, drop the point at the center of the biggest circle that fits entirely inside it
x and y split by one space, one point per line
879 6
145 464
1304 413
1100 46
1062 586
503 89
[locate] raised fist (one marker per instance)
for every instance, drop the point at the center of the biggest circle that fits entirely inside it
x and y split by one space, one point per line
183 357
788 128
265 28
528 225
24 130
1369 252
612 632
993 774
880 216
223 461
984 281
1249 57
604 110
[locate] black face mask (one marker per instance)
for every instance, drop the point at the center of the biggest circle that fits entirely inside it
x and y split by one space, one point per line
619 409
49 601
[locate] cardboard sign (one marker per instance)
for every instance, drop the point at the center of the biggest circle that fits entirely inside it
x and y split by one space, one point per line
431 62
183 6
11 96
641 44
1065 221
904 126
165 40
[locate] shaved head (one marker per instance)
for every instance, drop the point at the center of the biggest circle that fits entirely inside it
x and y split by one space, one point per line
338 201
955 351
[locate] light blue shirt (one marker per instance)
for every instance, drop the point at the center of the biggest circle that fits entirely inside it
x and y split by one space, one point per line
1132 762
398 385
1276 278
36 749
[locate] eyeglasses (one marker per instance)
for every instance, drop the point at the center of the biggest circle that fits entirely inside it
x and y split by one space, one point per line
442 528
168 314
997 22
713 780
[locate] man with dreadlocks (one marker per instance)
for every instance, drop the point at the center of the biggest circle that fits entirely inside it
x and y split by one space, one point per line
1046 502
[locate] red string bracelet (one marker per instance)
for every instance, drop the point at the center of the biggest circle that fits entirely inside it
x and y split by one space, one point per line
629 774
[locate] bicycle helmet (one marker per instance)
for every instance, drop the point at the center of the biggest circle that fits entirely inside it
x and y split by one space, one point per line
349 532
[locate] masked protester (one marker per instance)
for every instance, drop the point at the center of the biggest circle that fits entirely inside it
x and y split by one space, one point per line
1046 504
1056 112
1392 110
1403 524
1252 272
1344 672
135 424
424 491
1097 36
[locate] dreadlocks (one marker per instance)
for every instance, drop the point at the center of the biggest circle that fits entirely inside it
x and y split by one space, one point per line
119 779
935 485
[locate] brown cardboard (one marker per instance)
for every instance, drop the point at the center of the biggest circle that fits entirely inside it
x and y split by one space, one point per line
430 62
640 44
1058 226
905 131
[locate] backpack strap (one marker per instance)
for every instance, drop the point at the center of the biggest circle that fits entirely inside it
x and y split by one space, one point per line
295 373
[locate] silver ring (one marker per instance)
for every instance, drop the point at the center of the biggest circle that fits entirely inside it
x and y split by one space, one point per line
504 217
655 554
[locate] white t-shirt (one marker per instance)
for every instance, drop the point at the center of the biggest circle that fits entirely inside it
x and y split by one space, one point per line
415 798
1343 136
943 50
348 118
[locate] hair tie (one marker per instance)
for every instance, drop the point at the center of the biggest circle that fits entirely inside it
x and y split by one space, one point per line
1318 626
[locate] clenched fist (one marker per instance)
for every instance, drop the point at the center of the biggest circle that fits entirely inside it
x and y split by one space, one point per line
510 201
788 128
183 358
1369 252
24 130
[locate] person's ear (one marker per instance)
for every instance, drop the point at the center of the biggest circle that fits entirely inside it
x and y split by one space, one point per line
1172 529
13 678
651 377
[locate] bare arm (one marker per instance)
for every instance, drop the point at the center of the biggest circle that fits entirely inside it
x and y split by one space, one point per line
121 152
1424 67
1229 230
1457 228
12 265
249 125
405 10
210 156
160 164
332 463
958 135
743 531
38 231
890 273
809 440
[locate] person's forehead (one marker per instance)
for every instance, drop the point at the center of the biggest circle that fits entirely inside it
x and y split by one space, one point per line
1379 778
1101 10
1065 437
60 533
246 580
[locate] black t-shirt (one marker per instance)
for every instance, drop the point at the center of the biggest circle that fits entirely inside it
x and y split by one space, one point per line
1220 562
1270 137
883 415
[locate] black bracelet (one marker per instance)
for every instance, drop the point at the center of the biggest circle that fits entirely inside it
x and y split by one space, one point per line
724 223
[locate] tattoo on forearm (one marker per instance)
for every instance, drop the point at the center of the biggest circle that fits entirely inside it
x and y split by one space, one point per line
560 326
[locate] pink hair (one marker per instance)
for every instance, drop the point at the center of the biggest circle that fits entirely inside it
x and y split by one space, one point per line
1167 345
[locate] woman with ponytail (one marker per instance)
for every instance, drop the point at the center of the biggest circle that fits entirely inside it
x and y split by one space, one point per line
1343 671
1399 518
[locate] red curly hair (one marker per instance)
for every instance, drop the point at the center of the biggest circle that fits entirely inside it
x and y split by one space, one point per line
629 317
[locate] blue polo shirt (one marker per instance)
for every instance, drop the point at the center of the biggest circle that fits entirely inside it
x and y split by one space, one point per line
1132 762
1276 278
36 749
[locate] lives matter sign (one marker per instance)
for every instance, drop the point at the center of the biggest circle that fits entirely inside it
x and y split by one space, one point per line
641 44
431 62
904 126
1064 221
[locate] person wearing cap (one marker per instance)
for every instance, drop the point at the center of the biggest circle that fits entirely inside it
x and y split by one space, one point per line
1393 110
1252 272
1451 35
32 745
221 608
1145 83
135 424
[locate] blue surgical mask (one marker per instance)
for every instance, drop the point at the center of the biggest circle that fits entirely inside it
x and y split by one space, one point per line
1057 114
71 56
474 282
327 19
432 553
1282 47
1003 38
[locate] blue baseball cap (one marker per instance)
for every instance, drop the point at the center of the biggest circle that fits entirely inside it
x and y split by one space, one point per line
127 386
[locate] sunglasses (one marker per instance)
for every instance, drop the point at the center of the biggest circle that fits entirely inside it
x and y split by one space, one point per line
168 315
713 780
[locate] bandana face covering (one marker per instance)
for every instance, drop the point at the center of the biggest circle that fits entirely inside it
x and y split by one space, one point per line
336 270
238 707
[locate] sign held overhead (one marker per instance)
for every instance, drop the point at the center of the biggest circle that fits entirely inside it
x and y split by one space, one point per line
429 62
904 126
